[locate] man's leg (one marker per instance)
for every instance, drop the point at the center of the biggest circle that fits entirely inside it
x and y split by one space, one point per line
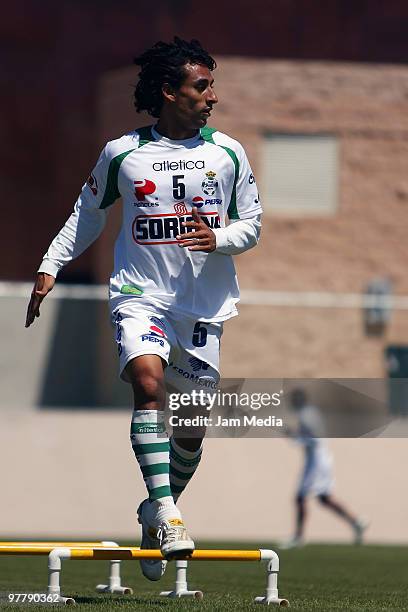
186 446
300 516
186 443
151 447
356 524
329 502
185 456
148 434
297 539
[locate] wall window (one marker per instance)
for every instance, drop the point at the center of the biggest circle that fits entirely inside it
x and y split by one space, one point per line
299 174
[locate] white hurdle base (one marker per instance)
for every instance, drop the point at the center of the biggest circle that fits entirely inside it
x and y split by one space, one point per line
181 587
114 585
54 566
271 596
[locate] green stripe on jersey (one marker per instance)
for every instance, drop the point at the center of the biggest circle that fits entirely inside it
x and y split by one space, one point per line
207 135
112 192
145 135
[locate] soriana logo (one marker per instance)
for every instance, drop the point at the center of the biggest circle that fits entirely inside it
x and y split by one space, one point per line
144 188
163 229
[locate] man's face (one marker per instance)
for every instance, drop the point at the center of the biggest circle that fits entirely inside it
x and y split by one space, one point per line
194 99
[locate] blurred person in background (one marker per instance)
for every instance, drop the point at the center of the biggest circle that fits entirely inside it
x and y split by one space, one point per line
317 473
174 281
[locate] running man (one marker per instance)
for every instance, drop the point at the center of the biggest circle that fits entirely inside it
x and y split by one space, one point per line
317 477
174 281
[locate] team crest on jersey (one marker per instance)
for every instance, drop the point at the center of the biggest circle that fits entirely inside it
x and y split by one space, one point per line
92 184
209 184
180 209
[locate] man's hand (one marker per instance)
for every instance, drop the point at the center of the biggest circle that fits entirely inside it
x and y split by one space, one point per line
42 286
201 239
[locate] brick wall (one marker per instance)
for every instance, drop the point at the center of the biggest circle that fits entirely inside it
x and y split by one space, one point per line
366 108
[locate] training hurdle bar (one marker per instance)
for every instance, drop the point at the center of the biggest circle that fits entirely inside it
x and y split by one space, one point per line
32 548
123 553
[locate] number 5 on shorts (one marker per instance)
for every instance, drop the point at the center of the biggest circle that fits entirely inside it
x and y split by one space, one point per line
199 334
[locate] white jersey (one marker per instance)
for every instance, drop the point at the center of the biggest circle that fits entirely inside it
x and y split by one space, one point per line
160 180
317 477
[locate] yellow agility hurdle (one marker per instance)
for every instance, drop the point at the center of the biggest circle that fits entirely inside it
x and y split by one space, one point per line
181 590
33 548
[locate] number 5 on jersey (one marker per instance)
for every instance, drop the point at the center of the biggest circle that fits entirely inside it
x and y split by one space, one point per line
179 188
199 334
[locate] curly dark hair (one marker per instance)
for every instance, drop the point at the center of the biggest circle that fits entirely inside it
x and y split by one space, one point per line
163 63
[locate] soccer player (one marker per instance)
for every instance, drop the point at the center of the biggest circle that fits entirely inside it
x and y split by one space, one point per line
174 281
316 478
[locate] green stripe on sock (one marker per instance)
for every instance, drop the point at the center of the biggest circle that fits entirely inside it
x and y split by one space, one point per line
153 470
182 461
176 488
159 492
180 475
144 449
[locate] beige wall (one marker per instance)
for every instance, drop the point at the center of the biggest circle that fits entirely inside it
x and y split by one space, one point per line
74 474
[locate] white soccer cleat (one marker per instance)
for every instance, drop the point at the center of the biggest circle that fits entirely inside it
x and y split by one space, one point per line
359 528
174 541
152 569
292 543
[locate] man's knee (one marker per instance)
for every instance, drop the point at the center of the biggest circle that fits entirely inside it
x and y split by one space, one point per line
149 389
147 379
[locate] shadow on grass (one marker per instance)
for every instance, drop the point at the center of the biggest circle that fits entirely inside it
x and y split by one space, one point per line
124 600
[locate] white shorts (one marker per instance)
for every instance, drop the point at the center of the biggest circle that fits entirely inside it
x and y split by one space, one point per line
190 348
317 476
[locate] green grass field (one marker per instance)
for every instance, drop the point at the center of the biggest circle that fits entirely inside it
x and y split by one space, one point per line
316 577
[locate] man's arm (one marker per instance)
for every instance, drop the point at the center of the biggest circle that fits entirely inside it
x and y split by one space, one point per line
239 236
42 286
79 232
244 211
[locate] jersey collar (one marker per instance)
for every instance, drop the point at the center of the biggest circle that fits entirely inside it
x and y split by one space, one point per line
186 143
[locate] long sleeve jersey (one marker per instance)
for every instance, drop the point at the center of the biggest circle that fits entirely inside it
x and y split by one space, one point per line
160 180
